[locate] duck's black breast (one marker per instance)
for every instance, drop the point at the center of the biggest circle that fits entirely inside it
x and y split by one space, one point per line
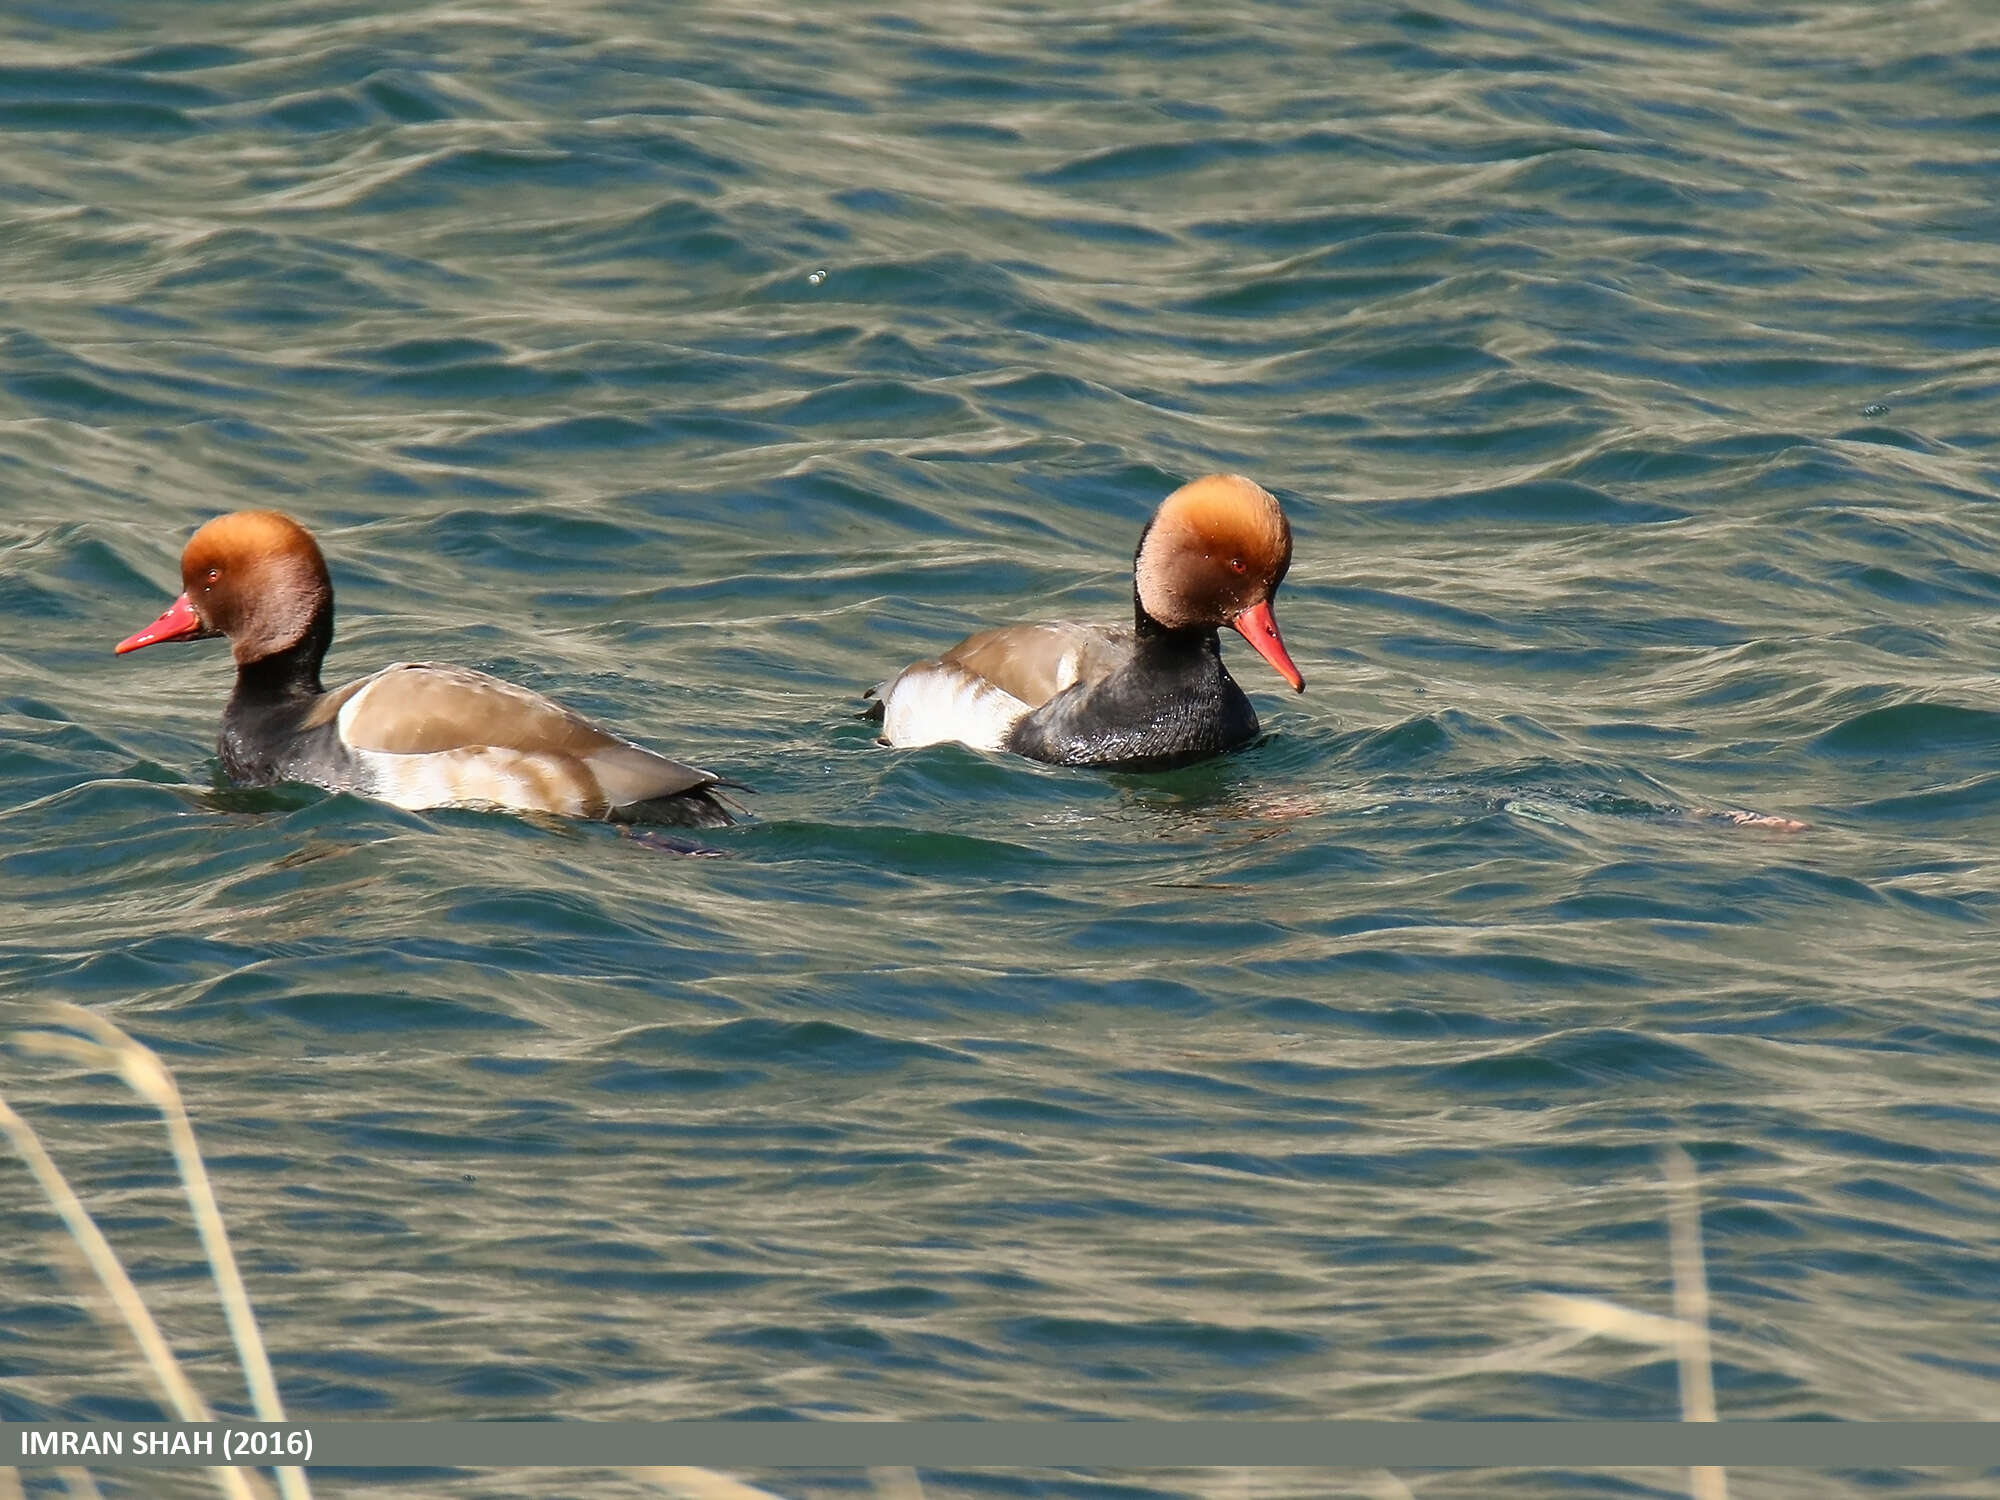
268 740
1172 703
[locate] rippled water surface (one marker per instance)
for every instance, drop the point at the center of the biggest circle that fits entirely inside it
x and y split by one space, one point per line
1631 385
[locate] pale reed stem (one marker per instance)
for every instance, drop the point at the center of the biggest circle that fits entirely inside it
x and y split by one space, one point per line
1691 1312
165 1369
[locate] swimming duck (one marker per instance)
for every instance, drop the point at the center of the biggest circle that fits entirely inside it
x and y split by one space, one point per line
415 734
1144 699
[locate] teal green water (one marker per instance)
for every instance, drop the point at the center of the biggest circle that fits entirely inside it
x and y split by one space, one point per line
1630 384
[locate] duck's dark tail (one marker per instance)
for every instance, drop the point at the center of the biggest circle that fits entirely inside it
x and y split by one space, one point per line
704 806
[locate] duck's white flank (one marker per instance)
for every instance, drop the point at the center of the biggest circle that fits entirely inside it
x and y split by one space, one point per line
480 776
934 703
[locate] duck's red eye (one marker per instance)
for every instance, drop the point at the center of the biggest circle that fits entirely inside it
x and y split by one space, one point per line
214 574
1236 565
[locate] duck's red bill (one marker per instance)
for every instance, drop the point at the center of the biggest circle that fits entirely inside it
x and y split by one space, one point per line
1257 626
179 623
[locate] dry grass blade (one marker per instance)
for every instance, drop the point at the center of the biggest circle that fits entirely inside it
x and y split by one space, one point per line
1609 1320
143 1072
1691 1311
73 1271
185 1400
896 1484
1690 1287
147 1076
699 1484
159 1359
1686 1333
10 1485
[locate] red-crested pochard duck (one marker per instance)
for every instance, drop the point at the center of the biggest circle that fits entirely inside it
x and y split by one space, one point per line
1143 699
414 734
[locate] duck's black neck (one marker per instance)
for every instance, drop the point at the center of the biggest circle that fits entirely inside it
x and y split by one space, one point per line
1161 643
289 675
274 698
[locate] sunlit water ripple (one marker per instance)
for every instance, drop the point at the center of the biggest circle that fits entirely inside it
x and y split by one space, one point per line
1629 384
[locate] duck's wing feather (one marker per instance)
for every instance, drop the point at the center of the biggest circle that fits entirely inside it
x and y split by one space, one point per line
1035 662
427 708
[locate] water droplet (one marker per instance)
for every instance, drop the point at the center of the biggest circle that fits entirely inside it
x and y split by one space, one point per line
1873 409
816 278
